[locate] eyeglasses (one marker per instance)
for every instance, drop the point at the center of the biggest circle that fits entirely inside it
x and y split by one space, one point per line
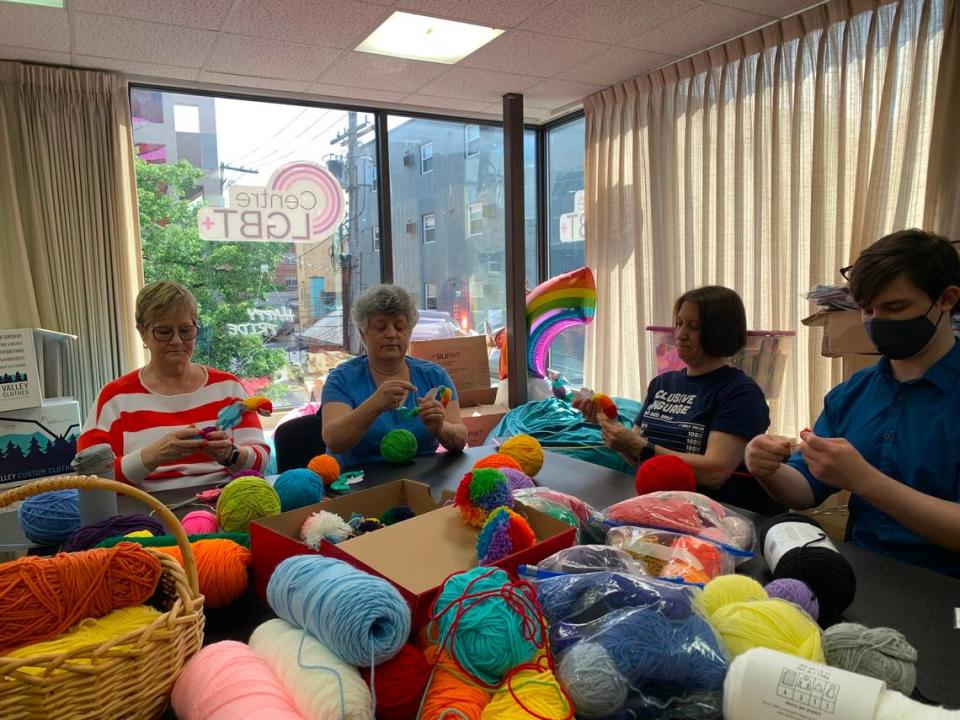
164 333
845 271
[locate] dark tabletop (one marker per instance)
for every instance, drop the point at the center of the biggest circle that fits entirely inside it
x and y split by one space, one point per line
917 602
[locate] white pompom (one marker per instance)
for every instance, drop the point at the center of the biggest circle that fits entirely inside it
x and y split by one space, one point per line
324 525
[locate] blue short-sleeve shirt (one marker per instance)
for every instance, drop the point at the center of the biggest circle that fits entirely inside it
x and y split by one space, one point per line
908 431
351 383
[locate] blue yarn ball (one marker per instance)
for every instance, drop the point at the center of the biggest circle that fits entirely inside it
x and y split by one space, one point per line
488 639
50 518
297 488
358 616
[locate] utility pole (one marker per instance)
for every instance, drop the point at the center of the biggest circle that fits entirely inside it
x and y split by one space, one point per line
235 168
350 341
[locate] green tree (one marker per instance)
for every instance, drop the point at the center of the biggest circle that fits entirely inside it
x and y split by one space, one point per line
227 278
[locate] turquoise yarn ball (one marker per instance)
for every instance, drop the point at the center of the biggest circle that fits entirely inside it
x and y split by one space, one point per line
488 639
398 446
50 518
297 488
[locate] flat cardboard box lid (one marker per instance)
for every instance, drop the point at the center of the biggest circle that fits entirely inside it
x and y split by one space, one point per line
465 358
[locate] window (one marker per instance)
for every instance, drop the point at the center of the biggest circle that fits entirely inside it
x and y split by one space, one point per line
270 312
471 137
429 228
495 263
475 219
426 158
430 296
376 238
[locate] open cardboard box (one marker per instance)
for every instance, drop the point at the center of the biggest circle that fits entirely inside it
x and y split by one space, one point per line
843 333
416 555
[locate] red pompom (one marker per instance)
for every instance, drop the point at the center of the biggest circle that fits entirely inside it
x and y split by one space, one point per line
606 405
665 472
400 683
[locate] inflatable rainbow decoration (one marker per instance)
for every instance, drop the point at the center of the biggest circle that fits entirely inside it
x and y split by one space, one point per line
559 303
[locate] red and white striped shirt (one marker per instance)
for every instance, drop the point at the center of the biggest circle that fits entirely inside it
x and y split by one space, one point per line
128 416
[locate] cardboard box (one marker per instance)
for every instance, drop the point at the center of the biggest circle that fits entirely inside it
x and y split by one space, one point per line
832 515
480 420
855 363
38 442
843 333
33 367
416 555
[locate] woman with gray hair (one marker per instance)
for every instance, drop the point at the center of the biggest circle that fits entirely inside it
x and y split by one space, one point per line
370 395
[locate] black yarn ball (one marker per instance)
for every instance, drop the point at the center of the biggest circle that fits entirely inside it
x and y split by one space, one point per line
787 517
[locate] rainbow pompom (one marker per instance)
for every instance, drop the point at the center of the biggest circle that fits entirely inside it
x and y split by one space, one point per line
605 405
480 492
259 405
504 533
445 395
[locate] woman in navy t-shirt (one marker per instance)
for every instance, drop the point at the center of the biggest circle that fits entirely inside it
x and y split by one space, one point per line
706 413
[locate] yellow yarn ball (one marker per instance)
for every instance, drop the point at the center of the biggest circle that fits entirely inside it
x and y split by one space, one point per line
245 499
526 450
726 589
774 624
535 694
139 533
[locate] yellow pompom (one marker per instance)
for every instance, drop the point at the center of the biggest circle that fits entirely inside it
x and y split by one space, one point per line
526 450
727 589
774 624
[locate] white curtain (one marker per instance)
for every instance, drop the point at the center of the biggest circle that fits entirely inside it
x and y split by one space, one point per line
763 165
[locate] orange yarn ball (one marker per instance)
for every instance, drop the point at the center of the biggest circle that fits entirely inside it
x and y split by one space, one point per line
42 597
497 460
221 569
326 466
450 694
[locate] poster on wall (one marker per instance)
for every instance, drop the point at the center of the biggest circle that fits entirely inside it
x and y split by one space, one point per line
301 202
19 379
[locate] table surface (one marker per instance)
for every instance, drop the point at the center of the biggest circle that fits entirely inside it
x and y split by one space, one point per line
917 602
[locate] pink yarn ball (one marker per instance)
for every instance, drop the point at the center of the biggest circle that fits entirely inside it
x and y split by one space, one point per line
229 681
199 522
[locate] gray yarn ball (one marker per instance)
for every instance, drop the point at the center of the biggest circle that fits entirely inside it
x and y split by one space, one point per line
881 653
595 685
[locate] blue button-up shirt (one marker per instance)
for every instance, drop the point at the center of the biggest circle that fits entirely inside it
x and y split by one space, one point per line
909 431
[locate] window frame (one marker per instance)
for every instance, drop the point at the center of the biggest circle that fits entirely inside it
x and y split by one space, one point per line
467 140
471 232
424 228
426 157
427 297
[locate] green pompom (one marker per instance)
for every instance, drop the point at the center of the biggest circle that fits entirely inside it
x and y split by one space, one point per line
398 446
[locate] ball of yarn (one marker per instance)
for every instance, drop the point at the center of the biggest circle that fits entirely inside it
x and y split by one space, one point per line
324 525
479 492
728 589
197 522
298 488
398 446
362 525
358 616
588 558
529 693
497 461
321 684
90 535
827 573
395 514
504 533
400 682
326 467
221 569
485 622
450 694
606 405
43 596
526 450
881 653
774 624
246 473
665 472
797 592
51 517
593 681
517 478
229 681
243 500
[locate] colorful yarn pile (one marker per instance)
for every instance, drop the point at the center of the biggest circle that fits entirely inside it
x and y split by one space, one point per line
400 683
480 492
298 488
497 461
44 596
881 653
398 446
326 467
504 533
529 691
161 541
526 450
324 525
116 526
50 518
665 472
246 499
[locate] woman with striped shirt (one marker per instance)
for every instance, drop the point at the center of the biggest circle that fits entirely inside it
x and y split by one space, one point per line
151 417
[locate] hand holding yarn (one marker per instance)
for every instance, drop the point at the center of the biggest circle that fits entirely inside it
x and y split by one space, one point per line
231 415
175 445
835 462
391 395
431 411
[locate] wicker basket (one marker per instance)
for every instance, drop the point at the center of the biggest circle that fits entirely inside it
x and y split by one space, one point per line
122 683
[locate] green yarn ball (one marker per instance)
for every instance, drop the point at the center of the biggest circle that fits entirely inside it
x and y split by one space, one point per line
246 499
398 446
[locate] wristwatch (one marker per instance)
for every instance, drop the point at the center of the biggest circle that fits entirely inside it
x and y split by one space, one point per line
649 450
232 458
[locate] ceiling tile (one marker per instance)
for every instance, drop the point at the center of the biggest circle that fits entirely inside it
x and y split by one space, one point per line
243 55
34 27
770 8
343 92
432 102
616 65
104 36
208 14
32 55
698 29
483 85
250 81
380 72
526 53
609 21
494 13
334 23
555 94
132 67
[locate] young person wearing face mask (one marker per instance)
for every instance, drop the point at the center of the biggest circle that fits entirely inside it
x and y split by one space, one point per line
890 434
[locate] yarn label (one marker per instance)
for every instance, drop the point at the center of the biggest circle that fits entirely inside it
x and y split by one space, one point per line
783 537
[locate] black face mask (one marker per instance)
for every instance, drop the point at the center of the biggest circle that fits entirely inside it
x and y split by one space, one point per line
902 339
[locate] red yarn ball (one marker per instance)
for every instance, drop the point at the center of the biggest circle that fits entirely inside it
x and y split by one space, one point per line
400 683
665 472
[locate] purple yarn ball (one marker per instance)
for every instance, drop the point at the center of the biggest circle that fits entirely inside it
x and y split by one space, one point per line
797 592
517 479
89 536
